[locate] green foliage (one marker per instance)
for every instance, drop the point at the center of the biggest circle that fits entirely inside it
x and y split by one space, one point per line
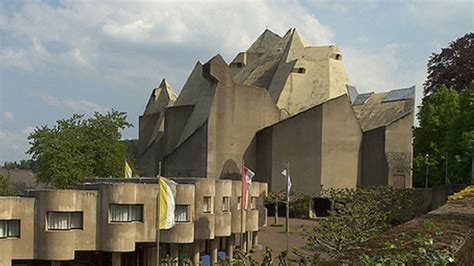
300 204
411 248
359 214
77 147
446 129
132 153
452 67
23 165
7 188
274 198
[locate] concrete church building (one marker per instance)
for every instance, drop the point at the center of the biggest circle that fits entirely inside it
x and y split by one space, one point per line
279 101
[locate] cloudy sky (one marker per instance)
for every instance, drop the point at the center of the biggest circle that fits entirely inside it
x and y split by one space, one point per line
63 57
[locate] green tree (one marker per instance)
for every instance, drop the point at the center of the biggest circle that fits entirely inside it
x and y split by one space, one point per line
452 67
463 136
77 147
435 136
7 188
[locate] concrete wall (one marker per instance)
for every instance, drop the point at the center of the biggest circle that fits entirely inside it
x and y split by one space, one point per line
340 146
373 162
190 158
252 213
61 245
222 218
237 112
237 227
182 232
122 236
399 152
297 140
204 220
18 248
99 233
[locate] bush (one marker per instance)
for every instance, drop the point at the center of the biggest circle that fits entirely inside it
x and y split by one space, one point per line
357 215
300 204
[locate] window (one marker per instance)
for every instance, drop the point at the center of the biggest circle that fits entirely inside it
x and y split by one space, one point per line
126 213
300 70
253 203
239 202
225 204
237 64
64 221
181 213
9 228
207 205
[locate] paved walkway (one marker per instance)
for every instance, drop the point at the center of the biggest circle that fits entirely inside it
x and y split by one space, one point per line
275 237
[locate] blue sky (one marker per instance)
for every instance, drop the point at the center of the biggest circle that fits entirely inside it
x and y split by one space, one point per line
63 57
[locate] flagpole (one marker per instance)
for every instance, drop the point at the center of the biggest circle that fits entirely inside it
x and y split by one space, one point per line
242 210
287 209
158 216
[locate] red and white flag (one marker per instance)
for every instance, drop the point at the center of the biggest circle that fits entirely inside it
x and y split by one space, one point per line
247 176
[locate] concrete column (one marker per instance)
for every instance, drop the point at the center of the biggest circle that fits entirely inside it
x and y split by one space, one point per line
214 249
249 241
244 242
255 240
151 256
116 259
196 256
230 246
174 253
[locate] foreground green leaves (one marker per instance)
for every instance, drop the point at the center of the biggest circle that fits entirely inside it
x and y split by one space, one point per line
76 148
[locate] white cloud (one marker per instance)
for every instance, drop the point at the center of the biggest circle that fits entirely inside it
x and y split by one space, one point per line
8 116
75 105
440 15
373 70
122 41
13 145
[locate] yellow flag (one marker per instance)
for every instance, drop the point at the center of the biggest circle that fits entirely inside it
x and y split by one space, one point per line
167 203
128 170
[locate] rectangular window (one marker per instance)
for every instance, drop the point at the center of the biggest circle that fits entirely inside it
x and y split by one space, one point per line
225 204
65 220
253 203
181 213
126 213
9 228
207 205
239 202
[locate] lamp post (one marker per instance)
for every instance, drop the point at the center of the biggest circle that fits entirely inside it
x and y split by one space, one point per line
446 179
426 163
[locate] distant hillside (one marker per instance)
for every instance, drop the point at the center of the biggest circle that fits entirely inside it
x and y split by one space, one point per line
23 179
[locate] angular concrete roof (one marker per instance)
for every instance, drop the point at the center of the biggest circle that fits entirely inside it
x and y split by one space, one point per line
198 91
374 110
296 75
161 97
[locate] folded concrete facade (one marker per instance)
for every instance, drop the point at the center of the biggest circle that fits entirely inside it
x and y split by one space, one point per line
282 101
117 220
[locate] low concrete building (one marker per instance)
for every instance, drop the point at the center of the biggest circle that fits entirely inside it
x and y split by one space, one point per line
281 101
113 222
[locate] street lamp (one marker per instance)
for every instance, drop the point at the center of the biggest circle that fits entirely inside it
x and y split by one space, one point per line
426 163
446 179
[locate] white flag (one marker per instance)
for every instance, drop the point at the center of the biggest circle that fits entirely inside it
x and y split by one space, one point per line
288 180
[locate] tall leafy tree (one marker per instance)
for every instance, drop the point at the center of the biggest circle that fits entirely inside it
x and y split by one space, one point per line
463 136
452 67
76 147
435 136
